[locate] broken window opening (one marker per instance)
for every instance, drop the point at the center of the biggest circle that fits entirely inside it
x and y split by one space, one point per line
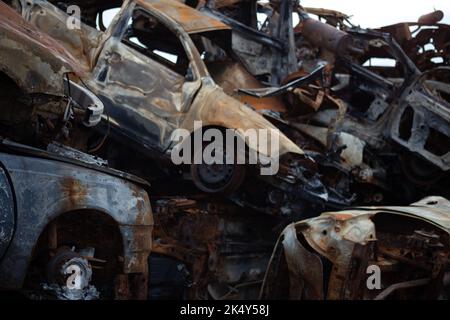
380 62
105 17
406 124
150 37
212 46
437 60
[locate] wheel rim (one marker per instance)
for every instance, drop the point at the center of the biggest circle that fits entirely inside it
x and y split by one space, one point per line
218 177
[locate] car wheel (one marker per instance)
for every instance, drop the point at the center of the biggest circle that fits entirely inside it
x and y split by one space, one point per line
218 177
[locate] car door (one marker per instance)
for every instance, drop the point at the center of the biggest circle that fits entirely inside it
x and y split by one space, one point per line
145 79
6 211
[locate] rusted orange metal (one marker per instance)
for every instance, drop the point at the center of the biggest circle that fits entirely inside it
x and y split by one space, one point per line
191 20
432 17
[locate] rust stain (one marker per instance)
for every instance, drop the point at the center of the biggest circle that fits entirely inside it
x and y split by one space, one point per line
74 190
233 76
343 216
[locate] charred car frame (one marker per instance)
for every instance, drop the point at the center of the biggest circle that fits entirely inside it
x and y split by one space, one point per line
70 228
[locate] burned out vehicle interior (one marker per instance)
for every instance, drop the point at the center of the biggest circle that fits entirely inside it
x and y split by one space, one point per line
331 250
95 95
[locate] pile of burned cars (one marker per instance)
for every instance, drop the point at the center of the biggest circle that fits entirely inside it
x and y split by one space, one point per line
70 227
100 97
367 127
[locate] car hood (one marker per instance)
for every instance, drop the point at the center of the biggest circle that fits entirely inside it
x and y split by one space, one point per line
214 107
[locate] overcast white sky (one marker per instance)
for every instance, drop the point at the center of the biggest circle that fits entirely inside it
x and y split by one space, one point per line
377 13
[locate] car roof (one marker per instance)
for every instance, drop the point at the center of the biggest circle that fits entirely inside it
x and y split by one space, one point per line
191 20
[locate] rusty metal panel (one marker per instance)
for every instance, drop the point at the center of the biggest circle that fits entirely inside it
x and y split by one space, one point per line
324 35
45 189
355 239
43 60
431 18
191 20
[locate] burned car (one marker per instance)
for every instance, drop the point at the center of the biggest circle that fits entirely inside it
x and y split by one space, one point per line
364 253
369 129
397 110
59 206
266 49
426 42
152 80
39 101
149 68
70 228
353 133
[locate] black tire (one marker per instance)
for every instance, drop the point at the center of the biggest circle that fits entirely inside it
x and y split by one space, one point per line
218 178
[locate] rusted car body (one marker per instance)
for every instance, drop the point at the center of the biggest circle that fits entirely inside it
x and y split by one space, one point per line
426 42
363 120
266 50
394 109
147 96
61 213
212 252
181 111
38 99
334 255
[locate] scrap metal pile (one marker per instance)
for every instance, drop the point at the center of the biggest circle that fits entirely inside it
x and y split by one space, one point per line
93 206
